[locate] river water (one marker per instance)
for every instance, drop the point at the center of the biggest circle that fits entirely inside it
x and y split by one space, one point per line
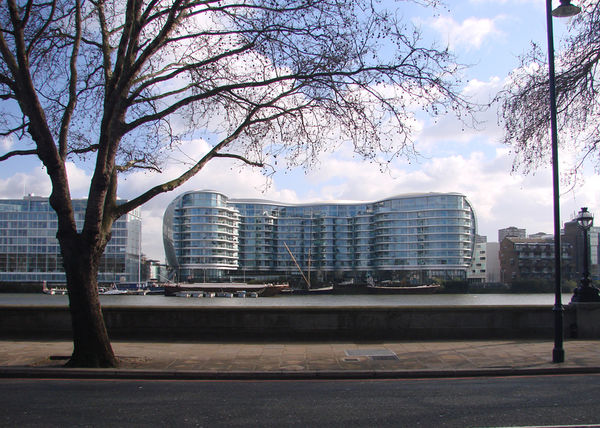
369 300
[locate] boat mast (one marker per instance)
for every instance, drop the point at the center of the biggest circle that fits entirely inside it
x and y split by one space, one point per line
297 265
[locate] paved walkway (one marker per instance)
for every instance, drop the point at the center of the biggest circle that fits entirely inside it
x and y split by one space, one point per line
20 358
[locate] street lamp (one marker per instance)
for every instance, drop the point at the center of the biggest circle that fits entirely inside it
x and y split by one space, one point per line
585 292
565 9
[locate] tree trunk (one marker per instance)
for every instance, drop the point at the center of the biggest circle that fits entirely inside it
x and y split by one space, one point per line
91 345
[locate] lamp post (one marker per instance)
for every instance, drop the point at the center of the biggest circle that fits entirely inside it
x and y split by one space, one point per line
585 292
564 10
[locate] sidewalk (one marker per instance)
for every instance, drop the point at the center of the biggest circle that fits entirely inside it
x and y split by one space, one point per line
300 360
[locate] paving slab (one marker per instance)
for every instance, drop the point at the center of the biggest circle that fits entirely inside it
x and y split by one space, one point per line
306 359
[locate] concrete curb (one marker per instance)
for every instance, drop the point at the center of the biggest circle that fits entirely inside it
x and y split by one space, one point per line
132 374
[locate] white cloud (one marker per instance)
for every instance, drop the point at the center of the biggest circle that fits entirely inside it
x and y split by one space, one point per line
23 183
469 34
448 134
6 144
79 180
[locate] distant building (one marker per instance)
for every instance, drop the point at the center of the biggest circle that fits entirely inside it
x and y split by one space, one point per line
477 271
492 268
480 239
511 231
30 253
410 238
532 259
154 271
541 235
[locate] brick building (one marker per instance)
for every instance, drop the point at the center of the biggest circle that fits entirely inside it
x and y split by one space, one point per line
532 259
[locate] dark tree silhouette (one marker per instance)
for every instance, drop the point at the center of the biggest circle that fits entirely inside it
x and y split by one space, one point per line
120 83
525 106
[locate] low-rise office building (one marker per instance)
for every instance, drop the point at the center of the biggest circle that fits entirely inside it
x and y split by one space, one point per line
409 238
30 253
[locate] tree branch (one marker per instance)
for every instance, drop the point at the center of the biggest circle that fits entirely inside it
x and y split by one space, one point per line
173 184
3 78
135 163
173 17
214 152
106 47
239 157
89 149
69 109
248 84
42 29
188 67
18 153
21 128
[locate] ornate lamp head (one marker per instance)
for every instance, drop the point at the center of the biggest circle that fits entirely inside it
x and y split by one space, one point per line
566 9
585 218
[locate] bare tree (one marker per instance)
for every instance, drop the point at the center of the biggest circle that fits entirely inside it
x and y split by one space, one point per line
525 106
121 83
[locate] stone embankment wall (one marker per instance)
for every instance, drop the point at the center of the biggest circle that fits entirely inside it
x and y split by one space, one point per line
323 323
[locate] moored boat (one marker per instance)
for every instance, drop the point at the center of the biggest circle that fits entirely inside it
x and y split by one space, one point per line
111 291
390 287
263 290
326 289
411 289
54 290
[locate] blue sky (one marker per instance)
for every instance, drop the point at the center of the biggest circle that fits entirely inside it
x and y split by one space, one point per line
487 34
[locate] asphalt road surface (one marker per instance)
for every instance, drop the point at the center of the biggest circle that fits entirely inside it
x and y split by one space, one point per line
482 402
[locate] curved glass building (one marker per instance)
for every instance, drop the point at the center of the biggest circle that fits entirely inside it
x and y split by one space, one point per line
409 238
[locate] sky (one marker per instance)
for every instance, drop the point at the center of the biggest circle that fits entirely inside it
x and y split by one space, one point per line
489 35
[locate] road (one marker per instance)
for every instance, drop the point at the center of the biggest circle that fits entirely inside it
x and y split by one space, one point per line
508 401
